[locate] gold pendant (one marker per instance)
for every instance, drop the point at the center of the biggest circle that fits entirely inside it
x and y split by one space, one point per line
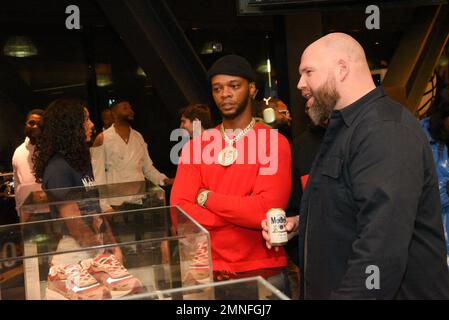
227 156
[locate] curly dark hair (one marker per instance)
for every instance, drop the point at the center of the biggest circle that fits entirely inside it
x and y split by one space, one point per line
198 111
63 132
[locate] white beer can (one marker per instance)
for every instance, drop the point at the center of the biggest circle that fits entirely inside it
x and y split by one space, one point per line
276 222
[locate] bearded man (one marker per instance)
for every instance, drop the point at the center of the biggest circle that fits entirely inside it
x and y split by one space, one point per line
120 154
370 223
24 180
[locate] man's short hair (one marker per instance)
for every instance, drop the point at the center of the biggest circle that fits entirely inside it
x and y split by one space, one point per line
116 103
38 112
198 111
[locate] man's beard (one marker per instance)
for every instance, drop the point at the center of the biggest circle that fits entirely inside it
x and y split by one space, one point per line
240 109
126 119
324 100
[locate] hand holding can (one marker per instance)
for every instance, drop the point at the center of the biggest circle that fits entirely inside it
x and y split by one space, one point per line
290 226
277 232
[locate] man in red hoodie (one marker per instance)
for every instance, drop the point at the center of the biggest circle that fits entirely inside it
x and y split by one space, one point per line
229 177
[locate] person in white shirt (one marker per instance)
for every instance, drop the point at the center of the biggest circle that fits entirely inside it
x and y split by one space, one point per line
120 154
22 164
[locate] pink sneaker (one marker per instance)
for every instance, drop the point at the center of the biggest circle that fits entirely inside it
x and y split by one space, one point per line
70 282
107 270
199 269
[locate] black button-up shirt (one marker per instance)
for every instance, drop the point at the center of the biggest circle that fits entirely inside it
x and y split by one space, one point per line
370 222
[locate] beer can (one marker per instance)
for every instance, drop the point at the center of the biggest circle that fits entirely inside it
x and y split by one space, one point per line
276 222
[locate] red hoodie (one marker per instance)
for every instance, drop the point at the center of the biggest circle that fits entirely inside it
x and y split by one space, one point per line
240 196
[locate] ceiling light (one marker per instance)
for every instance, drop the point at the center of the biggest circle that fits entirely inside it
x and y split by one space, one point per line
140 72
19 47
444 61
103 81
212 47
104 74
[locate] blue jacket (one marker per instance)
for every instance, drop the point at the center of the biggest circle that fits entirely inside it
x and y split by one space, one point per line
440 155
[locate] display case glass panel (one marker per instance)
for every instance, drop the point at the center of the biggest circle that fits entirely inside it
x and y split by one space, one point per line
254 288
103 256
44 205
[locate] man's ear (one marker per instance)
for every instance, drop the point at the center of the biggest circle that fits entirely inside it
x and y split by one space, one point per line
252 89
343 69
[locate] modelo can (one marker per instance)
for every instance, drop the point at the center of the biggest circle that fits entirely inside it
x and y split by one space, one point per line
276 227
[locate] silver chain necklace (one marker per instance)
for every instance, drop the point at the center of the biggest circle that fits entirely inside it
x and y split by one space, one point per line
242 133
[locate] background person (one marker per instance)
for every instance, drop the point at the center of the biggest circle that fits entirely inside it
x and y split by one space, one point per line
120 154
22 164
61 161
195 112
436 127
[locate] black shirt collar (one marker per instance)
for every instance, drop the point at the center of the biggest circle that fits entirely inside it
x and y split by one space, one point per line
349 113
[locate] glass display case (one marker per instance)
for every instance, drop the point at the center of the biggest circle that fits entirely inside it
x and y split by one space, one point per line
103 256
8 212
254 288
43 205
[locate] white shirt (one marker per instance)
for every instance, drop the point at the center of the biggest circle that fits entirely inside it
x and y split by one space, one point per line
116 161
24 180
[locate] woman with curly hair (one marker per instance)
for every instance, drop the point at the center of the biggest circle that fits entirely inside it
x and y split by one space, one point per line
62 160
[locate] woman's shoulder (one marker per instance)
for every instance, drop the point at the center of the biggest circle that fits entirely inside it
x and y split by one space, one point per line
58 173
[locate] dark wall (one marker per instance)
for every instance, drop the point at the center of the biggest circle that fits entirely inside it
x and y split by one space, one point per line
74 63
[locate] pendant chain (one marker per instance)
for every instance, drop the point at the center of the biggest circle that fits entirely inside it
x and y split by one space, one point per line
230 142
